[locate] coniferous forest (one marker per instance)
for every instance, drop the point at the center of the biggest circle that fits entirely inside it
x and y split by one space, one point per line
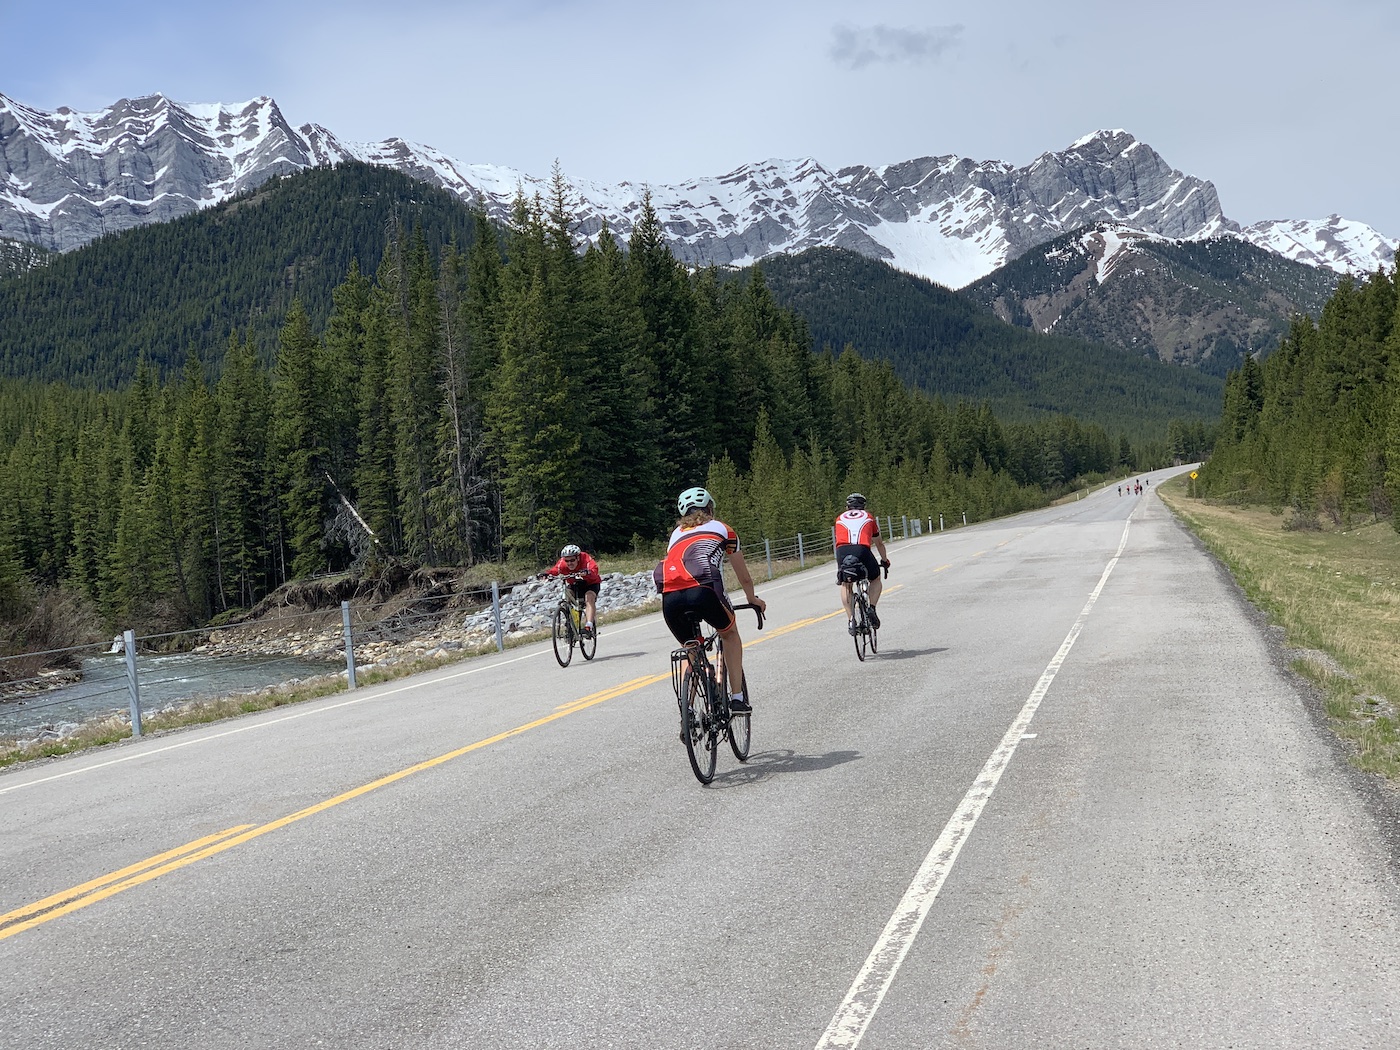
490 397
1315 428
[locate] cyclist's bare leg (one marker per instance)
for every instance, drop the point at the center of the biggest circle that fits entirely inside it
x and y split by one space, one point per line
732 659
590 604
873 591
846 599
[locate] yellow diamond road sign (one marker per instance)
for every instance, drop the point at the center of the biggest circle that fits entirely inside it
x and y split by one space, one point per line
1193 475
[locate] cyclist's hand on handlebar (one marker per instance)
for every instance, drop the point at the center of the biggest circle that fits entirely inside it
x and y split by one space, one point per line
885 564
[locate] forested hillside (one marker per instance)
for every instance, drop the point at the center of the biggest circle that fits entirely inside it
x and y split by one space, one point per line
156 293
946 344
494 402
1205 304
1316 427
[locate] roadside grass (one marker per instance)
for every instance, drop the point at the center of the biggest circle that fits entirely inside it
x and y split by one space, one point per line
115 729
1335 592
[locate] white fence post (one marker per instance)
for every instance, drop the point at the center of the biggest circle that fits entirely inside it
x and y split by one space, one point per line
768 554
801 557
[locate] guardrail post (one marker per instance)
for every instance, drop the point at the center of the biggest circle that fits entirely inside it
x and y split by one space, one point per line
904 520
132 685
496 614
801 557
349 645
964 517
940 523
768 553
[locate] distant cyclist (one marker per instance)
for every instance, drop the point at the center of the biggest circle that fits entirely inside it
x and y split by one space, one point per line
856 532
691 581
575 562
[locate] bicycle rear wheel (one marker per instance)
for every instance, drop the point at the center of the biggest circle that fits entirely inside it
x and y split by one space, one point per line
563 637
740 730
698 728
588 642
862 624
874 637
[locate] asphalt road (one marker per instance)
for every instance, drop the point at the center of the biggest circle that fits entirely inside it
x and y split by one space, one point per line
1075 801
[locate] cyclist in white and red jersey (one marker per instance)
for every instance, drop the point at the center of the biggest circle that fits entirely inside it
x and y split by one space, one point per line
856 532
691 581
585 580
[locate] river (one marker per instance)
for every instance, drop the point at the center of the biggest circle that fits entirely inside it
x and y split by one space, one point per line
164 680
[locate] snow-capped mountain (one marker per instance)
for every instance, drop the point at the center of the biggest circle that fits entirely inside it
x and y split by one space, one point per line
70 177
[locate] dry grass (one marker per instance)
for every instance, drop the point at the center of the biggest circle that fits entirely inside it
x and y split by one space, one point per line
1331 590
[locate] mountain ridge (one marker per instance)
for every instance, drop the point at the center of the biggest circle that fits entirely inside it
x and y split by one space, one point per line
71 177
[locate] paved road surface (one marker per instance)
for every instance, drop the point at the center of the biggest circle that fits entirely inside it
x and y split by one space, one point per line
1074 802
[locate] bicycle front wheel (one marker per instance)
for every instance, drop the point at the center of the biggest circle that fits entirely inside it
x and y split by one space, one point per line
862 624
698 728
563 637
739 728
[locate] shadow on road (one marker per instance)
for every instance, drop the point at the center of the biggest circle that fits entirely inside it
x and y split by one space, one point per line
616 656
767 764
907 654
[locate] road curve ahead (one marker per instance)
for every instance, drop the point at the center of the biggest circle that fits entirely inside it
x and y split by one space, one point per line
1074 801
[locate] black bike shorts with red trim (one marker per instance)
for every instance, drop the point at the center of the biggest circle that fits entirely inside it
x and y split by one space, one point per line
684 610
862 554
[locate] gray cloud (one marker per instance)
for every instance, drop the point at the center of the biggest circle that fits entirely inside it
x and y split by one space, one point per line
860 46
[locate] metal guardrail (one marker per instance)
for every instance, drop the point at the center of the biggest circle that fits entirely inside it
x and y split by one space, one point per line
359 624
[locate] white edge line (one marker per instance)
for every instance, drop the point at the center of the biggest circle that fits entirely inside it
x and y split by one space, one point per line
857 1010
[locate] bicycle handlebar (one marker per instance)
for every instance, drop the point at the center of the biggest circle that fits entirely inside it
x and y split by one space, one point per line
756 611
885 564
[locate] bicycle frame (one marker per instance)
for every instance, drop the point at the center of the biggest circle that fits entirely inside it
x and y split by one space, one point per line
703 729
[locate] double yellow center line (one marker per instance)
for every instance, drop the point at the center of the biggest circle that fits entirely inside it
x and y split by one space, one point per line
144 871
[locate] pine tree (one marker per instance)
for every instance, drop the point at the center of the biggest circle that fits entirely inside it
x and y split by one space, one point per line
296 446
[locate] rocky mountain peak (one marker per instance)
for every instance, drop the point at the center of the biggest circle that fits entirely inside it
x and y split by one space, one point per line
70 177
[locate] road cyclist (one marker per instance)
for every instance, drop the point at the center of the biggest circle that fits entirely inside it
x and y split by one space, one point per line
855 532
583 580
574 625
691 581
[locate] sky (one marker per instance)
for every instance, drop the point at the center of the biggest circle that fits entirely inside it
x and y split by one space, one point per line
1288 107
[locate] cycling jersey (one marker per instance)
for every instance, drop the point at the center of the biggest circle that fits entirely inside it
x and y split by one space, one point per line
695 557
587 569
856 526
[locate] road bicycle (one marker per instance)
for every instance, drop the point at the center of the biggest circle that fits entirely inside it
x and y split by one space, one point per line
568 624
703 698
864 632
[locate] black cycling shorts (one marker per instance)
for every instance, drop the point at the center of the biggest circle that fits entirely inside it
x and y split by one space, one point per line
684 610
580 588
861 553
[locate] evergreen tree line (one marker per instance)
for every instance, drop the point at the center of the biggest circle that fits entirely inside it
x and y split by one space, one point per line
489 403
1316 426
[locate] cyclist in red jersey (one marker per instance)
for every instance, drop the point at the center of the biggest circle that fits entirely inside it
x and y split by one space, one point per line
856 531
691 581
573 561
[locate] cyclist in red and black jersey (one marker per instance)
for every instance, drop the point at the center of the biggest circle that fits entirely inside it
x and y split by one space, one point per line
691 581
856 531
586 582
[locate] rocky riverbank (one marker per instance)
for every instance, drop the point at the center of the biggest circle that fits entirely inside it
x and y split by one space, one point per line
386 636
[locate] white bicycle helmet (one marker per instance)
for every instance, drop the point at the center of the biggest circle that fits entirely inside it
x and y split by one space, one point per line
695 499
570 551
